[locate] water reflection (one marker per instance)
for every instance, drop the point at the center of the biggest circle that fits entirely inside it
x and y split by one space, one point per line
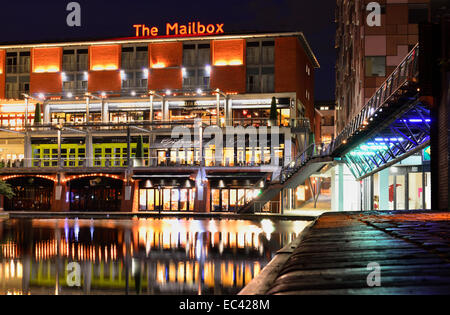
147 256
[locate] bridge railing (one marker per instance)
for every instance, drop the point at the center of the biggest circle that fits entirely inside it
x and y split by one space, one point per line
314 150
406 71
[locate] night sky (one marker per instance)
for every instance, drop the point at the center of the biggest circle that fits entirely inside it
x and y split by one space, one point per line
38 20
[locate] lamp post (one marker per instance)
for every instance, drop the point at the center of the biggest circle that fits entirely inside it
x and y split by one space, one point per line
27 101
152 96
218 93
88 100
59 129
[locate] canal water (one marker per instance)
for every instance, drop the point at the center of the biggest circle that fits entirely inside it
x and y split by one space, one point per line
141 256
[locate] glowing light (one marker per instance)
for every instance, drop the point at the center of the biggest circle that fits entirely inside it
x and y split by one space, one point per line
158 65
105 67
234 62
208 70
199 91
71 178
267 227
49 69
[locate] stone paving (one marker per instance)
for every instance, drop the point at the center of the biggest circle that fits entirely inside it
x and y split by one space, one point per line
411 248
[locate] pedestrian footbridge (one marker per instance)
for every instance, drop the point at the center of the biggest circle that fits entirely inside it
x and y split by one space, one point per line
394 124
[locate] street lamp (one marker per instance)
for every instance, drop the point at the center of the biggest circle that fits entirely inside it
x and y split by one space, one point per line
27 98
218 93
152 95
103 103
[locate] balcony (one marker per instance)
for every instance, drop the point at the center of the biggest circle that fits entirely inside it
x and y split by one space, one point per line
111 163
16 94
12 69
136 64
75 67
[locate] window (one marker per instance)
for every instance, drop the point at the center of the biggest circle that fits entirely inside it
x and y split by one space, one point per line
203 79
204 55
253 53
82 60
260 69
268 52
134 58
189 55
69 60
376 66
253 80
196 57
268 80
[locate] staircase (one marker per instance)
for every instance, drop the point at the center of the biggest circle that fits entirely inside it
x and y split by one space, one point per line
307 163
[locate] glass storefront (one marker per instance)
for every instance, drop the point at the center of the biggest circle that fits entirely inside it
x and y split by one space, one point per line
30 193
208 116
399 188
95 194
166 199
230 199
259 117
247 156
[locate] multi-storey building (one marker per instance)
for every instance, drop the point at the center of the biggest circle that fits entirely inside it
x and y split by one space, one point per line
370 47
367 53
90 125
326 110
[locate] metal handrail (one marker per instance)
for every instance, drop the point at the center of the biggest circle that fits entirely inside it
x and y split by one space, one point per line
314 150
406 71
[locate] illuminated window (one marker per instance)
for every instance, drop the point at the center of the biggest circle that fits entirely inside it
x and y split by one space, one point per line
134 69
196 64
260 69
376 66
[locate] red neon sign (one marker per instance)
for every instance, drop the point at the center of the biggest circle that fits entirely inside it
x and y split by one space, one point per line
176 29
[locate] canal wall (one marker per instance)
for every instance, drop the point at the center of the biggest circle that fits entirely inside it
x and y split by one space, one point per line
395 252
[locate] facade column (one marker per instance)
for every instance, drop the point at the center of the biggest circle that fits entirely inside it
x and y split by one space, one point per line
88 101
333 189
89 149
151 108
229 112
341 187
105 111
26 111
152 158
165 109
218 109
46 111
383 189
287 146
60 164
28 150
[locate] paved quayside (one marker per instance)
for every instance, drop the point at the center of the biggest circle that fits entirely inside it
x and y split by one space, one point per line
412 249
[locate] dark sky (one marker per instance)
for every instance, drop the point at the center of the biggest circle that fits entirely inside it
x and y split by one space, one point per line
41 20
